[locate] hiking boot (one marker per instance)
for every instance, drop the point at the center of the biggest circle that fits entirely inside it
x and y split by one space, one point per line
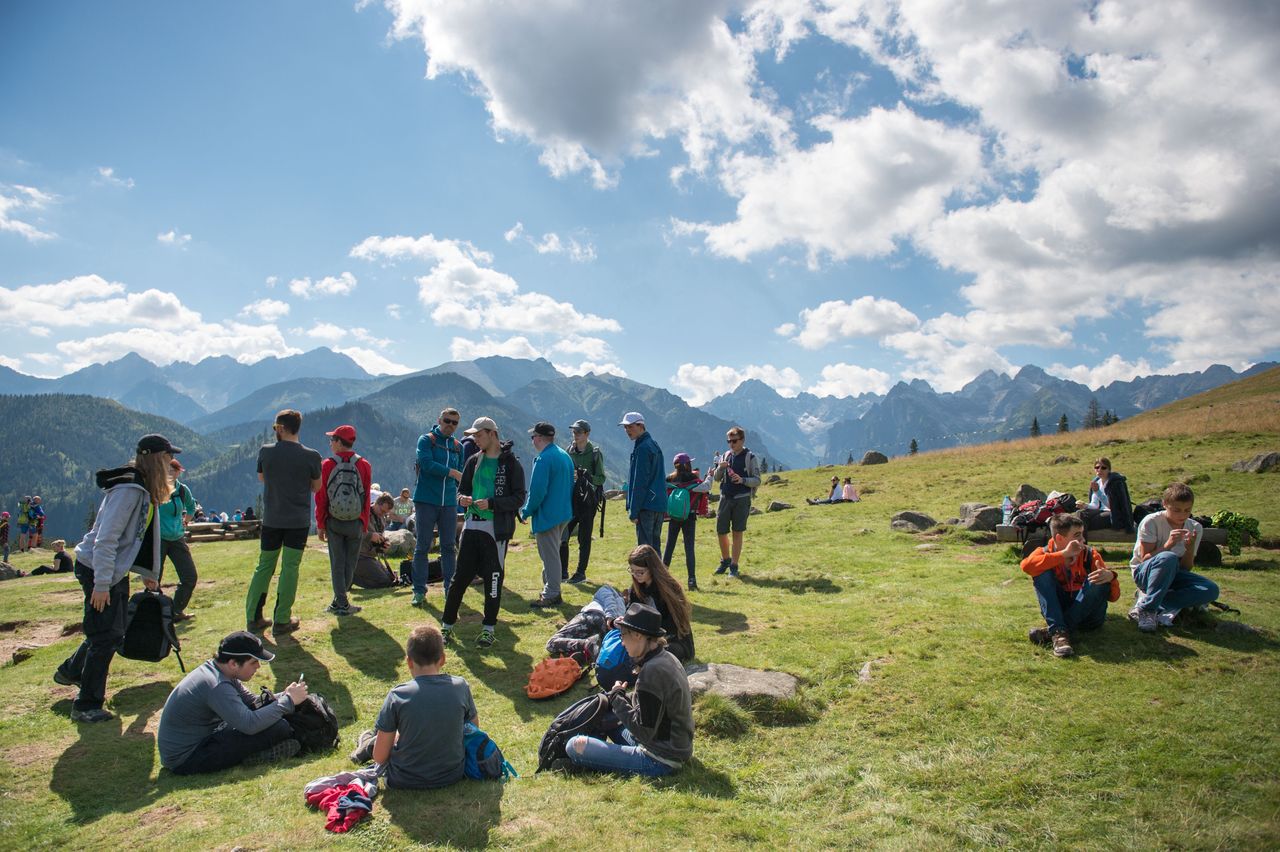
98 715
544 603
363 752
485 639
446 635
733 572
564 765
334 609
280 628
578 577
258 625
64 680
280 751
1039 636
1062 644
419 599
724 566
693 585
1148 622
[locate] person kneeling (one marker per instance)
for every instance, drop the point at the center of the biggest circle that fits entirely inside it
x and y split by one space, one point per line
209 722
1072 583
656 733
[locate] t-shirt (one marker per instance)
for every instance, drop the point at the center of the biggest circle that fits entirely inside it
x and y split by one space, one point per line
428 712
287 468
482 486
1155 529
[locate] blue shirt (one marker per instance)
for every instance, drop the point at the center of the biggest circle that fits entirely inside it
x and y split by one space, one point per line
437 455
550 499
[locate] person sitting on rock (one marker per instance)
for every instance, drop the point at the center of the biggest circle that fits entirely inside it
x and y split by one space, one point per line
1072 583
1109 506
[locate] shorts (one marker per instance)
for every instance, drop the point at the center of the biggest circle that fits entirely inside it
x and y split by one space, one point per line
25 529
732 514
275 537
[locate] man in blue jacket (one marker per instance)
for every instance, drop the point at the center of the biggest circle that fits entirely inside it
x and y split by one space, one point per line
646 483
550 506
435 501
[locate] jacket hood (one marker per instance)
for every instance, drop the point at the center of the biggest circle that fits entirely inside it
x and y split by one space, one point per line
127 475
505 448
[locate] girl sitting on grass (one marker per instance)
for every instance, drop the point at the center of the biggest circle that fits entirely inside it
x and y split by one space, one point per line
653 585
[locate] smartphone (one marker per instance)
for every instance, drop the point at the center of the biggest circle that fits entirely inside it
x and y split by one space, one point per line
302 678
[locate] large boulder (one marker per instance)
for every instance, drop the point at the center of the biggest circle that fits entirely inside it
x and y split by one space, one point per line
873 457
400 544
614 494
1026 493
773 479
1261 463
749 687
912 522
984 519
778 506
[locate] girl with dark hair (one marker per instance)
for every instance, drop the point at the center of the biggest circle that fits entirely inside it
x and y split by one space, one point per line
685 475
652 584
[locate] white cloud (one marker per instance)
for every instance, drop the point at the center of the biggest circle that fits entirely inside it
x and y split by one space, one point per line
393 311
174 237
865 317
22 200
945 365
11 363
268 310
331 333
374 362
39 330
583 368
850 380
330 285
271 281
1113 369
699 383
245 343
462 349
578 252
91 300
107 175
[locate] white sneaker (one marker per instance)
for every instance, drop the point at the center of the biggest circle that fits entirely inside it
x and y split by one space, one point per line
1166 617
1148 622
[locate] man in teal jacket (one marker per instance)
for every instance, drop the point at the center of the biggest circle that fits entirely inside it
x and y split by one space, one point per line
646 483
435 501
549 505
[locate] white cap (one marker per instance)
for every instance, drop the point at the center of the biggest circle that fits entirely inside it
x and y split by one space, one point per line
631 418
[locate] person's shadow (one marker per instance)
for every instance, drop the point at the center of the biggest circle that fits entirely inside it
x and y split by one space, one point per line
723 620
368 649
461 815
801 585
501 668
109 770
292 660
1118 641
700 779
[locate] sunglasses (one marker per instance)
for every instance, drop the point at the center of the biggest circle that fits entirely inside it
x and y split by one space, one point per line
448 422
733 440
1101 467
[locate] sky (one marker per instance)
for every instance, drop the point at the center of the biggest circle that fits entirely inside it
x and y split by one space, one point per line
827 196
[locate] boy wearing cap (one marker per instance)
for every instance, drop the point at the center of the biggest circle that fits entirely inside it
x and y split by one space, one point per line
342 513
585 456
549 505
646 482
209 722
290 474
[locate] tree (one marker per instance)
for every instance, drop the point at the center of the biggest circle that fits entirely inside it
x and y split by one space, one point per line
850 459
1063 426
764 465
1092 418
1035 427
915 448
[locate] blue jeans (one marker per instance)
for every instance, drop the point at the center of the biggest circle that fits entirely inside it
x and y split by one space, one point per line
1062 611
675 528
1163 584
649 529
610 757
427 518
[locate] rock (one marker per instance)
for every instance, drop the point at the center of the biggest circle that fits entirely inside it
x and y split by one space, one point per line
873 457
911 522
953 522
778 506
968 510
984 519
773 479
1063 460
746 686
614 494
1110 442
400 544
711 513
1261 463
1027 492
927 546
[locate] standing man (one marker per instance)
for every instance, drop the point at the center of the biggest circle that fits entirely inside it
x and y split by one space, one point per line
173 541
24 523
646 482
549 505
37 523
342 513
290 474
739 476
435 501
585 456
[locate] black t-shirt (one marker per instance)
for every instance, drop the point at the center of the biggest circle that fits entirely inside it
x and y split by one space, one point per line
287 469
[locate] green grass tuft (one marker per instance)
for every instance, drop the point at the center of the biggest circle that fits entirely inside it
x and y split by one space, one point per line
718 716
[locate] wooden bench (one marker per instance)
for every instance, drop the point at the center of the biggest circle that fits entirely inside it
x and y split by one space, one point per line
1008 532
220 531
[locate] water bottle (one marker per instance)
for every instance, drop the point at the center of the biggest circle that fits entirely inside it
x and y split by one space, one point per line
1008 509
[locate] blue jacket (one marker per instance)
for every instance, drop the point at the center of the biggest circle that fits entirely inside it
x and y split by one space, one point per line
647 481
550 500
437 455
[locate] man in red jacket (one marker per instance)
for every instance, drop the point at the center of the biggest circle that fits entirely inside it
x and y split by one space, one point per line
342 513
1072 583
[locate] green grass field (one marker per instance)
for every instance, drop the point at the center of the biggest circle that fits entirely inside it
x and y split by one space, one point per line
926 719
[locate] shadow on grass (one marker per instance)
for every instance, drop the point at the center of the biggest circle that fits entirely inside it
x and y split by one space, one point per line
108 770
1254 563
795 585
292 659
368 648
501 668
724 620
459 816
702 780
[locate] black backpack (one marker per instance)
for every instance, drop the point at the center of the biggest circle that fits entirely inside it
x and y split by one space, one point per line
314 724
149 633
585 716
586 500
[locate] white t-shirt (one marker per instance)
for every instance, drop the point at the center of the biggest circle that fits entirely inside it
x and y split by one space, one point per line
1155 529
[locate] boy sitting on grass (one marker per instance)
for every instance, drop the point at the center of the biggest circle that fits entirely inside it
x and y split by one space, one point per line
419 730
1162 557
1072 583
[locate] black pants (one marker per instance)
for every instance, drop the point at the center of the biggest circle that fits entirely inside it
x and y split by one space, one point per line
226 747
674 529
478 557
103 633
179 554
584 543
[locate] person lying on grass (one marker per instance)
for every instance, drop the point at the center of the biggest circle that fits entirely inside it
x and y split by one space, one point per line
209 722
1072 583
656 733
1163 554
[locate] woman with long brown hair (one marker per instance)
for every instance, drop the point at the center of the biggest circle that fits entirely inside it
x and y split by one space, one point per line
652 584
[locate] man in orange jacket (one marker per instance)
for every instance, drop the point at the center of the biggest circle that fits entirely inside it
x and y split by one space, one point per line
1072 583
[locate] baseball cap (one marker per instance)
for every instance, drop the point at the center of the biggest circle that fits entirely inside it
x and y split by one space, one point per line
4 514
631 418
242 643
580 426
481 423
544 429
149 444
682 458
346 432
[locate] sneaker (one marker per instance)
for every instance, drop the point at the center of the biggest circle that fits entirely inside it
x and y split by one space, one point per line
446 635
1133 614
419 599
280 751
1039 636
334 609
183 616
485 639
565 766
363 752
733 571
60 678
282 627
1062 644
693 585
724 566
1166 617
1148 622
98 715
544 603
578 577
258 625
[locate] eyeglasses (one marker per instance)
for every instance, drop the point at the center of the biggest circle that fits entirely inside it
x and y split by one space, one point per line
1100 467
446 421
638 570
733 440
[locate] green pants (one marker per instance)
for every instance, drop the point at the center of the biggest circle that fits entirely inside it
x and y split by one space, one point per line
286 589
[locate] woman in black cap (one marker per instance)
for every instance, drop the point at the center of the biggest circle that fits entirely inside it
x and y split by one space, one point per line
125 537
656 737
652 584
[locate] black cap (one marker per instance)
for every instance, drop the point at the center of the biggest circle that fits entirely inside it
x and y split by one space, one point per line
544 429
149 444
642 618
580 426
242 643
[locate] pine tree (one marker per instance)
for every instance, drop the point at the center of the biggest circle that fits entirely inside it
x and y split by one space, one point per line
1092 419
1035 427
1063 426
915 448
764 465
850 459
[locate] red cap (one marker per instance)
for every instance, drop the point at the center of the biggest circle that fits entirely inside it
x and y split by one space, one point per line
346 433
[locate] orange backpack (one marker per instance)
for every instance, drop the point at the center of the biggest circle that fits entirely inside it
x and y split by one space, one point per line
553 676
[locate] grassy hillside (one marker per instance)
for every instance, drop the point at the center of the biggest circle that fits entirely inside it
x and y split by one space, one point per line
926 720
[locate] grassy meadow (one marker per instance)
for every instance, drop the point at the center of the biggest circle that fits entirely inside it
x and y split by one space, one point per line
926 719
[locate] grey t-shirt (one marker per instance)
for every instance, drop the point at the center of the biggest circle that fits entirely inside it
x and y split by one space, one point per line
428 712
287 468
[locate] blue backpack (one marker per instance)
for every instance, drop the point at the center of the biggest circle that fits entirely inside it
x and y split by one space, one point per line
484 760
613 663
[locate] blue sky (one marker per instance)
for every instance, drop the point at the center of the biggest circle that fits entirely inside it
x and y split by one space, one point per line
828 196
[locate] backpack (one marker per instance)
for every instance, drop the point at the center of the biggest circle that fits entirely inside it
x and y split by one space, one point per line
345 490
553 676
314 724
149 633
678 503
483 759
590 715
613 663
585 499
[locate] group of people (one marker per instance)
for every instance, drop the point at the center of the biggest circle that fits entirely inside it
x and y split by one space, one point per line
846 493
30 526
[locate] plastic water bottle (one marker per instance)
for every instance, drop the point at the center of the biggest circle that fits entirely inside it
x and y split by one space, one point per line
1008 509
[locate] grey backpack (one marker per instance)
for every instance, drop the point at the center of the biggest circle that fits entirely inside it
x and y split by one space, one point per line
345 490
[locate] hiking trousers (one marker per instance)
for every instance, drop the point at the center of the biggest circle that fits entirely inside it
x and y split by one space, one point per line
674 530
344 552
1165 585
227 747
284 546
479 556
428 519
179 553
1064 610
103 634
583 529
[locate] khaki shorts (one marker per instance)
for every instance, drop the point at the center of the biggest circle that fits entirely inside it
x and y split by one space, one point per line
732 514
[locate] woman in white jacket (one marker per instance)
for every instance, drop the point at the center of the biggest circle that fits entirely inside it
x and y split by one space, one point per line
125 537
